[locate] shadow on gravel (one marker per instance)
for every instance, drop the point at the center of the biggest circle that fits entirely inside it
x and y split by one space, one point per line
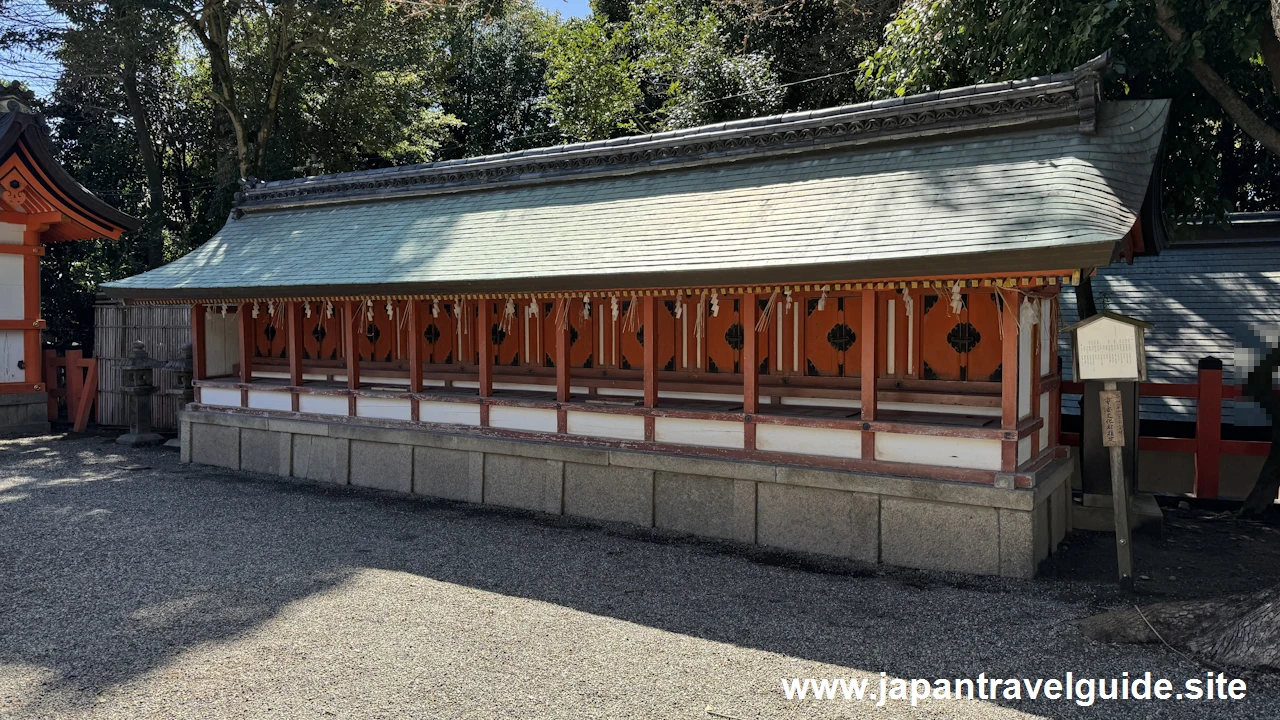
114 562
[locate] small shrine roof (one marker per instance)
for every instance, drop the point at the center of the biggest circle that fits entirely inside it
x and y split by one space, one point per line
33 182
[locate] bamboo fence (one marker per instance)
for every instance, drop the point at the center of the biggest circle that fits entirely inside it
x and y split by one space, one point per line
164 329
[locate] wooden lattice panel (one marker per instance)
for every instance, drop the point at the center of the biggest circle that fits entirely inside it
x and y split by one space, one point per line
582 334
506 335
766 337
382 337
321 334
439 334
270 333
984 361
832 335
630 349
964 345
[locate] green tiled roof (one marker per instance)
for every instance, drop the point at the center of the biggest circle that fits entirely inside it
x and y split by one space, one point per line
1011 199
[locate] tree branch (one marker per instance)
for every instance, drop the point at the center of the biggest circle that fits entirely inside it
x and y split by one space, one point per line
1213 83
1275 16
1271 44
150 162
279 66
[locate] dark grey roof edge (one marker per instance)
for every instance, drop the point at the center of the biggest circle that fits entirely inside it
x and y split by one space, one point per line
1022 261
21 128
1069 97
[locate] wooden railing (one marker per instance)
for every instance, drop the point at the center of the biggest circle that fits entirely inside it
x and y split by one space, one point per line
75 387
1207 445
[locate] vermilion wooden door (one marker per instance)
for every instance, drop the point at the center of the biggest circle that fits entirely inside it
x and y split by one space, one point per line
964 345
832 337
321 334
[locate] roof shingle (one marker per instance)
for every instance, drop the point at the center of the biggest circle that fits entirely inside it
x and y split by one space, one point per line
1048 198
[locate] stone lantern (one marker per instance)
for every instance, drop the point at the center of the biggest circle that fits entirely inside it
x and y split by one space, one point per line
138 382
183 368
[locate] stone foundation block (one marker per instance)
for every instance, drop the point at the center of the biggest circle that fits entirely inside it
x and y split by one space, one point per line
381 465
1018 543
828 522
702 505
525 483
939 536
322 459
264 451
24 414
913 522
216 445
450 474
609 492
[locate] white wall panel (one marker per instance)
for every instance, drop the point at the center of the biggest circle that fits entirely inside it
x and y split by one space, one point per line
385 408
270 400
221 342
1026 373
809 441
323 404
618 427
11 234
11 352
228 397
449 412
522 418
689 431
975 453
11 299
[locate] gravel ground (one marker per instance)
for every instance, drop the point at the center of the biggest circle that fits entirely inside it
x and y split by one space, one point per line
135 587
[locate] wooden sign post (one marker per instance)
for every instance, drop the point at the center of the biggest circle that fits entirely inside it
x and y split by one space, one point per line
1113 440
1110 347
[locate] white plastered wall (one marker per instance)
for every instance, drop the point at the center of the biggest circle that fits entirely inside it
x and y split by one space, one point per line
221 342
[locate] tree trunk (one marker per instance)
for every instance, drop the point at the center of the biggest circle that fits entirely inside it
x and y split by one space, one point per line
1275 16
1218 88
153 226
1260 387
1239 631
1270 42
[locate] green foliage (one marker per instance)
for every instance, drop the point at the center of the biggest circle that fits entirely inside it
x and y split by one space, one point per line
664 67
493 80
816 46
1209 166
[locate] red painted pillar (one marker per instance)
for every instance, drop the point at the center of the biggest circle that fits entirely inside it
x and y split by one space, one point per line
415 345
870 370
563 356
750 359
352 315
1054 420
484 341
1009 381
1208 427
32 342
244 321
199 364
649 319
1034 372
293 321
750 367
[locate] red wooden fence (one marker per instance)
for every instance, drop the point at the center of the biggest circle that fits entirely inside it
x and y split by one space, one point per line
1208 445
75 387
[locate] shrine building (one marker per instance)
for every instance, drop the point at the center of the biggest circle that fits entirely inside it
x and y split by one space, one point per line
40 204
827 331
